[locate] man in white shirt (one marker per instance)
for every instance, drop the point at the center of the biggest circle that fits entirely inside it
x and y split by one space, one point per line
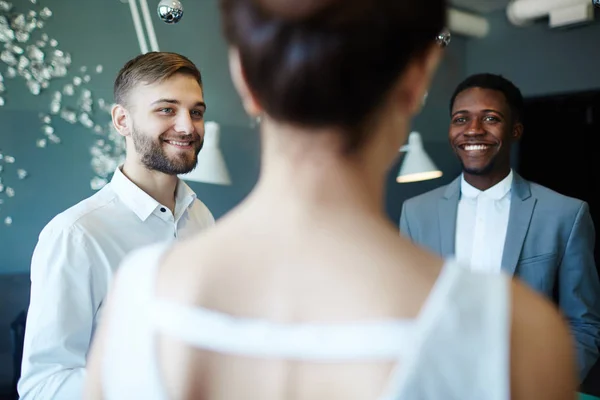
160 111
495 220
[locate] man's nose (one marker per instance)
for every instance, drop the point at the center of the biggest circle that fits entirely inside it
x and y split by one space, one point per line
184 123
475 127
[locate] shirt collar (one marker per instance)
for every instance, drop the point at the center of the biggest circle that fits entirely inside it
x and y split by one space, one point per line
141 203
184 198
496 192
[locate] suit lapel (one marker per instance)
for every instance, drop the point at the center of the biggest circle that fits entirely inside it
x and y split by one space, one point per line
521 209
447 210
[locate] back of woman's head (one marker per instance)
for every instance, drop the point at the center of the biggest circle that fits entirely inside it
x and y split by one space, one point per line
320 63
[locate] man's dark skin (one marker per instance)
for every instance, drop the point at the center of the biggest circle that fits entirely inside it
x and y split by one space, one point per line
482 117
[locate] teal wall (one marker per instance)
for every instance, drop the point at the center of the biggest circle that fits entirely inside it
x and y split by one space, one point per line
101 32
538 59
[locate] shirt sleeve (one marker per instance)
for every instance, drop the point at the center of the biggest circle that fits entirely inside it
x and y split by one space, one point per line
206 217
579 290
60 318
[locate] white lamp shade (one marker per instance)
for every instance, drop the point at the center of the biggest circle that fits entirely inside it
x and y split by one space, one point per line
211 167
416 166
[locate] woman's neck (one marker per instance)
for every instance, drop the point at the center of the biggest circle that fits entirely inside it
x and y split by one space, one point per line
308 171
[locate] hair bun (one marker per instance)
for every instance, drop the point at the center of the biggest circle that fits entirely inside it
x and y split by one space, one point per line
294 9
307 61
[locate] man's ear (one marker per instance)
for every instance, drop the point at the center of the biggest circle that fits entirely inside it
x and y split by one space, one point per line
121 119
517 131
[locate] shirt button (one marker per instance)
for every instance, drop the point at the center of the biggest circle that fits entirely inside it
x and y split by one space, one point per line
162 209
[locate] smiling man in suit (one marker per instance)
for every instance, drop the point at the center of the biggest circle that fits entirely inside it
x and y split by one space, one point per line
492 218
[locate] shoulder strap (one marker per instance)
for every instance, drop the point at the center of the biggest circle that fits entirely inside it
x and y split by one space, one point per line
464 352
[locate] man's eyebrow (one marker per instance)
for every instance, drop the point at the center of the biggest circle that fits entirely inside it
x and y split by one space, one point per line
486 110
494 111
177 102
170 101
459 112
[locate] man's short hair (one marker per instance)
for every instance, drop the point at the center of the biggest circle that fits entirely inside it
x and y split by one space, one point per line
150 68
512 93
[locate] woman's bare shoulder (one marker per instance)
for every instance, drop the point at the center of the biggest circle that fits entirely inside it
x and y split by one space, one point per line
542 349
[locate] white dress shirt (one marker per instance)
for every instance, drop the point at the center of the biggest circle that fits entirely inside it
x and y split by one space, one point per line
73 264
481 224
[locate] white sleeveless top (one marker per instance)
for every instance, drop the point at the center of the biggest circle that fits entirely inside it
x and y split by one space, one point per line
457 348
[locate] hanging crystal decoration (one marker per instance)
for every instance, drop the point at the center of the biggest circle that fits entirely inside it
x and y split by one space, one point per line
38 60
68 115
45 13
97 183
48 130
68 90
5 6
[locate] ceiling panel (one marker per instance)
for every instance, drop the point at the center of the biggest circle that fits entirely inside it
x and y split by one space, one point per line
480 6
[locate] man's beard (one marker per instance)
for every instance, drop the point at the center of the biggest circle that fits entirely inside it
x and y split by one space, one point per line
154 157
480 171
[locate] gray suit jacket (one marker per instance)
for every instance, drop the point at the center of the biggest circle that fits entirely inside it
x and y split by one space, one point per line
549 245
